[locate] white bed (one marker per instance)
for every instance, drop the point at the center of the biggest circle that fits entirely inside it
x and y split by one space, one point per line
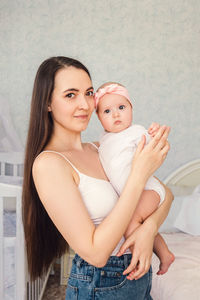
182 281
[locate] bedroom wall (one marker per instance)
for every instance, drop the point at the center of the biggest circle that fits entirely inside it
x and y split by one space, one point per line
151 46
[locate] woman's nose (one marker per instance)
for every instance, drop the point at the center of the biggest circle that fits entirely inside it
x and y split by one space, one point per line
83 103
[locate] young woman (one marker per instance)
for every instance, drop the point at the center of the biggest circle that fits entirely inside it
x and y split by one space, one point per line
67 199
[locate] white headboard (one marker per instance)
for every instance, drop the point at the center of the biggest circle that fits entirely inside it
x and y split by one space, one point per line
187 175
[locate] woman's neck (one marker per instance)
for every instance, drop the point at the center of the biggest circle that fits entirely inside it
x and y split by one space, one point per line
62 141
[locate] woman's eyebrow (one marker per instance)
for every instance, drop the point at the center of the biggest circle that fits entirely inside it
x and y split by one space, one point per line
71 90
76 90
90 88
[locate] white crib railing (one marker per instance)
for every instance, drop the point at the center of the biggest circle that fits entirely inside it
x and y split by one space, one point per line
13 192
1 249
10 199
11 167
35 290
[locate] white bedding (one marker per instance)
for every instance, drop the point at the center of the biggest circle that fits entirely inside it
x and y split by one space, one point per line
182 281
188 219
184 212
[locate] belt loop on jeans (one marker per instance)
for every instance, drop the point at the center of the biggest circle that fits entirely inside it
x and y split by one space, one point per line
79 261
125 260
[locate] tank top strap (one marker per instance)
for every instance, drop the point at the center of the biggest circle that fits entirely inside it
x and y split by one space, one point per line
93 144
51 151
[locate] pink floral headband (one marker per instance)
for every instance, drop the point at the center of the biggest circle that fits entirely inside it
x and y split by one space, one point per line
113 88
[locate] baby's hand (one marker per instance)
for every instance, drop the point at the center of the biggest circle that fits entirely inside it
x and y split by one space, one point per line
153 129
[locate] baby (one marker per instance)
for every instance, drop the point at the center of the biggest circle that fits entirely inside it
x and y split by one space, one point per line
117 147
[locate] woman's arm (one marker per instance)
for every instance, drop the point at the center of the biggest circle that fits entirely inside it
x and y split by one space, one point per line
56 184
142 238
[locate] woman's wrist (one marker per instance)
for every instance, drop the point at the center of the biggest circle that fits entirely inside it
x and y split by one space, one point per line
151 226
139 178
141 169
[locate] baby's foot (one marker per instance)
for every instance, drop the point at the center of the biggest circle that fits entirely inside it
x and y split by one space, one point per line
165 263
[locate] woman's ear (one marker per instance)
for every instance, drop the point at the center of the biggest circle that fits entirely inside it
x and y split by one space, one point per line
49 108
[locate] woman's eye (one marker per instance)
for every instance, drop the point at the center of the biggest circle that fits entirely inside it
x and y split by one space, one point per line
107 111
121 106
90 93
70 95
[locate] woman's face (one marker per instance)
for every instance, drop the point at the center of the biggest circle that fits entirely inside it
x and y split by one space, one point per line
72 99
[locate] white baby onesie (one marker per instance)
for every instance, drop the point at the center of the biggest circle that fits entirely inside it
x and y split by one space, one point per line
116 152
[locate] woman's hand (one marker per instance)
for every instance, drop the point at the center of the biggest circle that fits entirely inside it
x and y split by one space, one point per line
149 158
140 242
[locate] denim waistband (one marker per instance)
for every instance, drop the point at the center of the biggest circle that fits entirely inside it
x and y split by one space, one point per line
122 261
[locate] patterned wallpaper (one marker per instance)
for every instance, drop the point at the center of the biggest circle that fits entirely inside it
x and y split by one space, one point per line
151 46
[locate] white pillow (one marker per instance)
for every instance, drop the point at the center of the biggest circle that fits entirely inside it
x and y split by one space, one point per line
188 219
178 191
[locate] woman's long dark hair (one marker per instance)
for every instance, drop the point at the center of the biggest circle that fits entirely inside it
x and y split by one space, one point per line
44 242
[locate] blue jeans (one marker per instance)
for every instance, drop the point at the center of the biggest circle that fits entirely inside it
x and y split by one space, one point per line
87 282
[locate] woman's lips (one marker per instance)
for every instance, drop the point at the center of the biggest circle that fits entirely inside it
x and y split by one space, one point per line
82 117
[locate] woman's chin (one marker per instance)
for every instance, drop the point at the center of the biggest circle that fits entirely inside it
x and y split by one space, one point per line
81 128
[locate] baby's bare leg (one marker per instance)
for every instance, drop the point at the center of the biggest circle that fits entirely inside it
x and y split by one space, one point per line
164 254
148 203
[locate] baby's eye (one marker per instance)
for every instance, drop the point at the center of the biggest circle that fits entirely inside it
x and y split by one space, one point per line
107 111
70 95
121 106
90 93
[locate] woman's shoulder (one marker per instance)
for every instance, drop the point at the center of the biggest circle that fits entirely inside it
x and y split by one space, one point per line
49 165
45 156
94 145
48 161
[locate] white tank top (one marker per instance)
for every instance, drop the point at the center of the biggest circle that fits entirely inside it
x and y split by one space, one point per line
98 195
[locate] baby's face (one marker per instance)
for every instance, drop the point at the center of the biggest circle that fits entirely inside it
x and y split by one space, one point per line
114 112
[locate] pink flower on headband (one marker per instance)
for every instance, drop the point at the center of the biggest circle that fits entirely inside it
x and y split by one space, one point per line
111 89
